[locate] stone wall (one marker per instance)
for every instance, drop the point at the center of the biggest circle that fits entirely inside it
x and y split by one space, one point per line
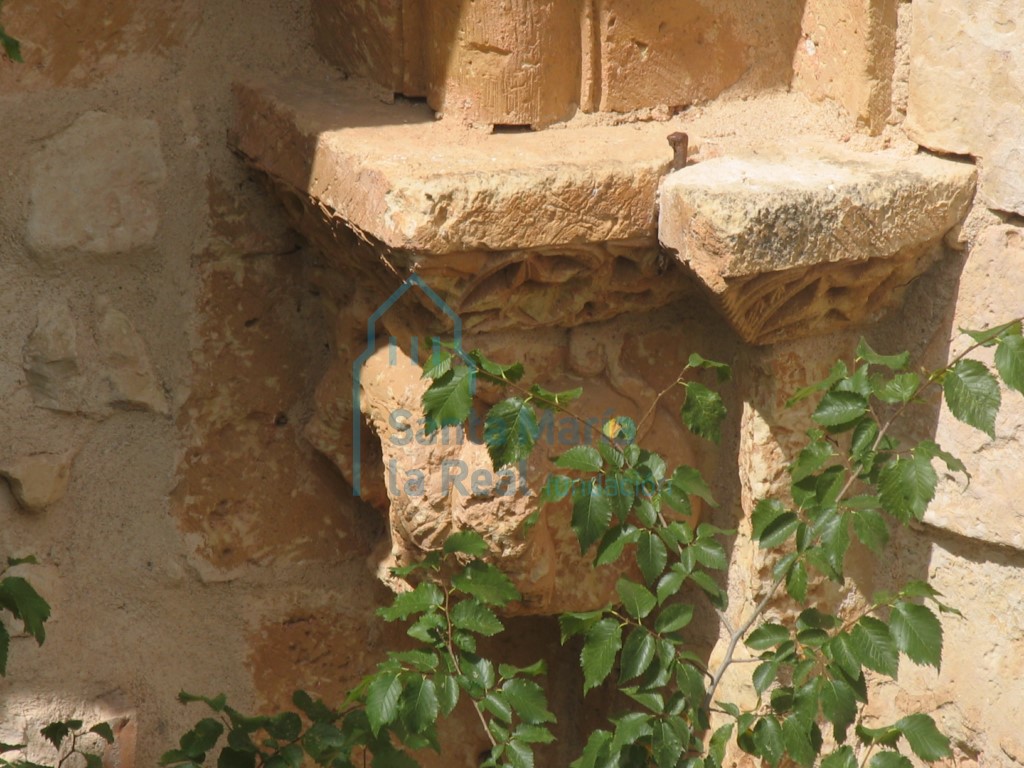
173 442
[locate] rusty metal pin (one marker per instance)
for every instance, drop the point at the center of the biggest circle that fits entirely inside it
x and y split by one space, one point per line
679 142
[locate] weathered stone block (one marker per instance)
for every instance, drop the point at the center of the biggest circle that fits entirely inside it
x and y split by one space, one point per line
38 480
677 52
50 358
967 89
363 38
127 368
94 186
846 53
793 244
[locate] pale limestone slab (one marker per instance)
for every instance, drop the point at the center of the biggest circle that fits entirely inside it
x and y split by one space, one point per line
797 242
94 186
967 89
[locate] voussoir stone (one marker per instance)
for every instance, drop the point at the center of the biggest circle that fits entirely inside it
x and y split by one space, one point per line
795 243
94 186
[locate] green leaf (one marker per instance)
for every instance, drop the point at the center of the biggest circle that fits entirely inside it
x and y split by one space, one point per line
419 704
874 647
533 734
907 485
201 739
893 362
703 412
234 758
917 632
718 742
382 700
796 581
216 703
723 371
687 480
666 745
285 726
889 759
449 399
841 758
547 398
778 530
765 512
447 693
314 709
630 728
669 584
601 644
767 636
27 560
528 700
839 705
651 556
474 616
810 459
838 372
21 599
486 582
796 737
837 409
506 373
972 394
870 528
439 362
764 675
716 595
901 388
104 731
591 514
12 46
56 732
673 617
5 646
932 449
583 458
924 738
1010 361
614 543
467 542
989 336
637 654
595 749
768 740
709 553
424 596
637 599
510 431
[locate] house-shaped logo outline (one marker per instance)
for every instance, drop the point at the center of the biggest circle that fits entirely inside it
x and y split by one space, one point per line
371 347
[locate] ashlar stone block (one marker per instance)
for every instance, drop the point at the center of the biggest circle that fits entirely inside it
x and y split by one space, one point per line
967 89
795 243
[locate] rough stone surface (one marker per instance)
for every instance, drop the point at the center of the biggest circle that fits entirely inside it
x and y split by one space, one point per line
94 186
966 70
38 480
126 365
794 243
846 53
50 358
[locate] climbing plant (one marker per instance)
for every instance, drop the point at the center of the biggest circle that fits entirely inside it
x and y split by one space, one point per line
853 480
11 46
812 676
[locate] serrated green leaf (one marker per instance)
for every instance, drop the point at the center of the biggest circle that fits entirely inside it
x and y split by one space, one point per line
906 486
11 46
424 596
917 633
765 512
233 758
767 636
614 543
21 599
841 758
439 362
449 399
666 745
718 742
893 362
486 582
874 647
669 584
382 700
630 728
104 731
467 542
764 675
703 411
510 432
901 388
778 530
601 644
419 704
987 337
796 737
505 373
889 759
651 556
927 741
591 514
528 700
709 553
474 616
723 371
972 394
839 371
622 429
637 654
810 459
718 597
1010 361
584 458
595 751
56 732
687 480
931 449
314 709
837 408
533 734
673 617
796 582
546 398
838 705
636 598
768 740
870 528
